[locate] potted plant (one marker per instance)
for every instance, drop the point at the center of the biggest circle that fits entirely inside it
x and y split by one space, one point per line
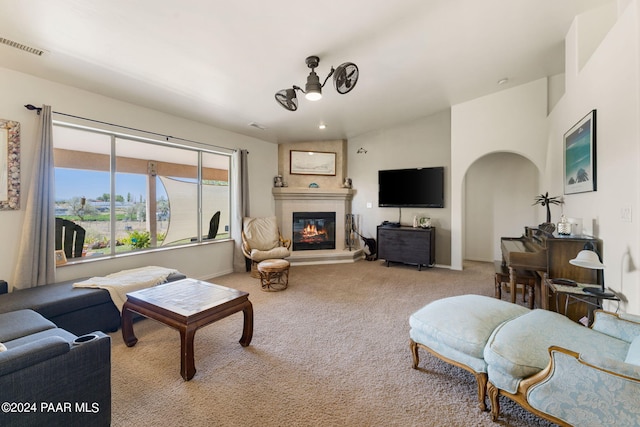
545 200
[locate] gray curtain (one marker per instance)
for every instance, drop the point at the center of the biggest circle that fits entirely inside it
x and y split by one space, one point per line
240 201
36 259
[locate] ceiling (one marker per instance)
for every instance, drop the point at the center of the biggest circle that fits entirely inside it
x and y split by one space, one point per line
221 62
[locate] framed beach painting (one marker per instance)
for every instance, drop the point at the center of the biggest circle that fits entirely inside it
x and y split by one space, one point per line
580 156
312 163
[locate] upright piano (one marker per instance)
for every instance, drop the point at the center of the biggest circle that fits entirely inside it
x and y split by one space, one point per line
542 253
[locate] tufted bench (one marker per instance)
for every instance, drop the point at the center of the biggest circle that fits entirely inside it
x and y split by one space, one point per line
456 330
78 310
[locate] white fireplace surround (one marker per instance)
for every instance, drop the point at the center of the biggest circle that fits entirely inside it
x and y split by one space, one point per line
338 200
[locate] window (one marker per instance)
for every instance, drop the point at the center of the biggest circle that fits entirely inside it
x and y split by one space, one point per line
133 194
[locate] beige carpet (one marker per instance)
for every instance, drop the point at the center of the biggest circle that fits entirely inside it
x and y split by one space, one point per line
331 350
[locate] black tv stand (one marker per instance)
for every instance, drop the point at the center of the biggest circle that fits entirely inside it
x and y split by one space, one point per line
407 245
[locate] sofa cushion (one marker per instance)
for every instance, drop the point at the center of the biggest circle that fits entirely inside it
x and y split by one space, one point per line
464 322
20 323
54 299
55 332
519 348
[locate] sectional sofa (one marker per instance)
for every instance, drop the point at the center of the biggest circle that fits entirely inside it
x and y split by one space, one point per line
51 377
78 310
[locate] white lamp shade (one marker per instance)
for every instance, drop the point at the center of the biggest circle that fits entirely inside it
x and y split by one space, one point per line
587 259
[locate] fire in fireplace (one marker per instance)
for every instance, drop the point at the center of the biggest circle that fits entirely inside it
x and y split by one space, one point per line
314 230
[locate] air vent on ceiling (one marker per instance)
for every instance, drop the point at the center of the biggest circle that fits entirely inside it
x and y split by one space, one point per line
21 46
257 125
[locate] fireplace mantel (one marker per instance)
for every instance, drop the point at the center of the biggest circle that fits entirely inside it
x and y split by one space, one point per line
303 193
297 199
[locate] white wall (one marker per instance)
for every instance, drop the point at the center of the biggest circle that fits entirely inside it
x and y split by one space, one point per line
609 82
512 120
499 192
420 143
200 262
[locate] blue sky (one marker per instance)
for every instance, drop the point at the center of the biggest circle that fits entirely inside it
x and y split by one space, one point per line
91 184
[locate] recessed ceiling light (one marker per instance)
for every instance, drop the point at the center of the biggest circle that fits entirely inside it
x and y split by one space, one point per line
503 81
322 126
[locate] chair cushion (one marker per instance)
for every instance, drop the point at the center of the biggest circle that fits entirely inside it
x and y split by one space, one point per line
519 348
261 233
464 322
633 355
279 252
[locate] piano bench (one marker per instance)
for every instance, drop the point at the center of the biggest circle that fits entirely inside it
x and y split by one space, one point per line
523 277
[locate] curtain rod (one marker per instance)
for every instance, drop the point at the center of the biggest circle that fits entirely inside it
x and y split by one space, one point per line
39 109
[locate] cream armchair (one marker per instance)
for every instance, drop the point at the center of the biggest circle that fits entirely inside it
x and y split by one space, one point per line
262 240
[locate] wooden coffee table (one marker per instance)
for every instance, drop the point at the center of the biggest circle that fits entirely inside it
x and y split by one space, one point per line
187 305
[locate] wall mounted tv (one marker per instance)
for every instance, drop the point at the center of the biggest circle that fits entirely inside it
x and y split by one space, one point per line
416 188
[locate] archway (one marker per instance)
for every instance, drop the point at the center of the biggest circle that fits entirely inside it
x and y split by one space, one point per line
498 197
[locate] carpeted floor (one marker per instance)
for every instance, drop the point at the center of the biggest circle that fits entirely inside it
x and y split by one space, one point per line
331 350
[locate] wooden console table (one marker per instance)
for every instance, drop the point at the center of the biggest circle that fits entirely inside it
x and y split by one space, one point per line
407 245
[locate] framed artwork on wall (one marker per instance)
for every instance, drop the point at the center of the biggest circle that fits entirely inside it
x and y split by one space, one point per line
312 163
580 156
9 165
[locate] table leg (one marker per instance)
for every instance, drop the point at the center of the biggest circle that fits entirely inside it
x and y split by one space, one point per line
127 326
512 284
247 330
187 360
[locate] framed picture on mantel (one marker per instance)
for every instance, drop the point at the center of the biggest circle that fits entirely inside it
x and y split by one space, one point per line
312 163
580 156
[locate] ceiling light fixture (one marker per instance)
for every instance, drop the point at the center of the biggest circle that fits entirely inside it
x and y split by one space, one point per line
345 78
322 126
503 81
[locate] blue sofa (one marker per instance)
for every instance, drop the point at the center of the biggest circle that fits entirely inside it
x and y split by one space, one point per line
51 377
555 368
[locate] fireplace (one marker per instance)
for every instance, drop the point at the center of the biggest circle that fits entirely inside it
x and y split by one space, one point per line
314 230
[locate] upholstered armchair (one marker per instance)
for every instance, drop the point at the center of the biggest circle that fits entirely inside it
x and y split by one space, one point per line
262 240
593 379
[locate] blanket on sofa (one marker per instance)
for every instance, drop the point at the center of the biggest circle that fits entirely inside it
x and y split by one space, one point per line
125 281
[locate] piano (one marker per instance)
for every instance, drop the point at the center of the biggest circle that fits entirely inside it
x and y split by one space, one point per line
541 253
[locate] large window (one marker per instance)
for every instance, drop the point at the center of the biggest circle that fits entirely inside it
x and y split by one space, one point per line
132 194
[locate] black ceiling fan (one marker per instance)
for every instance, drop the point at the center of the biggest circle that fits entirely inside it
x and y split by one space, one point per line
345 78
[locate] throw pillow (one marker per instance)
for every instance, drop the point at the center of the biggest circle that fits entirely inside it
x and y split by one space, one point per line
633 355
2 347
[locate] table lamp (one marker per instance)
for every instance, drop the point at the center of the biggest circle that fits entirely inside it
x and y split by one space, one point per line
588 257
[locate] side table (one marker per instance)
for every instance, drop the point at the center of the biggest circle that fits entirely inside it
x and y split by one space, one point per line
575 294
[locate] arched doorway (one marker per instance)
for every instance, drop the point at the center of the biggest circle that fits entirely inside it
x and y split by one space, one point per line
499 191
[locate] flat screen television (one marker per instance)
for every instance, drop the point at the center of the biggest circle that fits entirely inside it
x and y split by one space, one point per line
416 188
